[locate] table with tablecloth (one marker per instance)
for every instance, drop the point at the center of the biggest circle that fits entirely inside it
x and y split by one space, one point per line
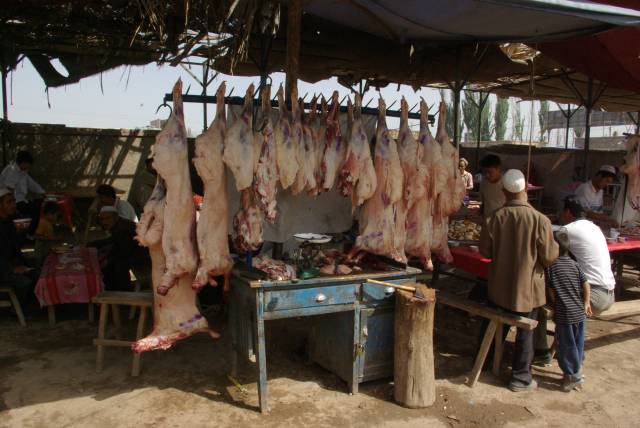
470 261
71 277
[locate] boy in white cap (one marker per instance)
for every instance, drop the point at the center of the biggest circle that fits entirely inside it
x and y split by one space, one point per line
519 241
590 194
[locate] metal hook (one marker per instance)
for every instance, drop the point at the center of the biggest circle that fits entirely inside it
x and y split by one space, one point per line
164 104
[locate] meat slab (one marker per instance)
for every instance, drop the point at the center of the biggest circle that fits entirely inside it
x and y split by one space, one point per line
212 230
170 159
336 148
378 217
265 182
175 316
286 147
275 269
318 129
247 224
357 175
238 145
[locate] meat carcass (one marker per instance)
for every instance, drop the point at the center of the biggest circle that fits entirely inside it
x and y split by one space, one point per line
432 156
275 269
335 149
265 182
171 160
176 315
318 128
238 144
247 224
286 147
212 230
411 154
357 176
378 217
302 139
419 222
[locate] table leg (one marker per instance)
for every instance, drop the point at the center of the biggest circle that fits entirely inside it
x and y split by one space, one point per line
357 360
261 353
497 349
91 314
52 315
102 326
482 353
135 369
233 316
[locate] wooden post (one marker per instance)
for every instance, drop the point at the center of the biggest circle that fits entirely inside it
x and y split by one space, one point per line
294 27
413 374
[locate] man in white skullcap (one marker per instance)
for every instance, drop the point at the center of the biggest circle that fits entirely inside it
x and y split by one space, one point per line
519 241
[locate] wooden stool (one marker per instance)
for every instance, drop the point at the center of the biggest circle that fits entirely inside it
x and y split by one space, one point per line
114 299
13 301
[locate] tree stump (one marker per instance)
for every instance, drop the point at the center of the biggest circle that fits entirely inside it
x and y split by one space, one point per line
413 374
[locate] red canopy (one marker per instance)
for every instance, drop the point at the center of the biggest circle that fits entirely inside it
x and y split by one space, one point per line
612 56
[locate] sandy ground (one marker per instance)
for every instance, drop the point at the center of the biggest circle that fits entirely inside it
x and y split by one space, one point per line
48 379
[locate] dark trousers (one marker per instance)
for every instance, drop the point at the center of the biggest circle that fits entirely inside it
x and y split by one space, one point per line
523 352
570 349
30 209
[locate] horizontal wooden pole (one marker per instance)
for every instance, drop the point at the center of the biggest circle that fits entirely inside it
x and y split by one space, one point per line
112 342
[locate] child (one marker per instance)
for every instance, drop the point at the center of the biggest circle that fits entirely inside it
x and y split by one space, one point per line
570 293
45 235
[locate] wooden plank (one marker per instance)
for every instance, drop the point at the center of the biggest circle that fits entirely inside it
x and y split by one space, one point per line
305 312
498 348
104 316
113 342
486 312
294 29
5 304
482 353
129 298
621 309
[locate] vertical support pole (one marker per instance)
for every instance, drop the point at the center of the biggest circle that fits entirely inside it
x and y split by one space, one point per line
566 137
638 123
587 127
205 83
5 116
456 111
294 27
483 102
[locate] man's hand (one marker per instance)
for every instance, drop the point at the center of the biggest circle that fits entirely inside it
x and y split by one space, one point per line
21 269
587 309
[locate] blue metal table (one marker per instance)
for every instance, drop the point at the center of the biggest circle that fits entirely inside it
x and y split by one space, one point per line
352 335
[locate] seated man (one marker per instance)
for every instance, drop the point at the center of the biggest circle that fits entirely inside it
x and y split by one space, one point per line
491 194
589 247
13 268
120 251
590 194
107 198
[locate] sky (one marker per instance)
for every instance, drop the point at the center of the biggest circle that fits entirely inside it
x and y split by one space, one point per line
130 96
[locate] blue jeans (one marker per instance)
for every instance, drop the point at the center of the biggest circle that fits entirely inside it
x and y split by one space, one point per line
570 349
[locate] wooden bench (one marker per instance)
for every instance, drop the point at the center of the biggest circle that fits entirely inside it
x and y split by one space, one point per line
13 301
114 299
494 333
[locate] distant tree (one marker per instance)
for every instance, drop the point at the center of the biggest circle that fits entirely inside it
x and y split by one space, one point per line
450 109
518 122
470 108
542 119
578 131
500 118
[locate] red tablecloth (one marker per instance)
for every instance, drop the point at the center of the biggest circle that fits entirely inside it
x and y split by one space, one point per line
73 277
476 264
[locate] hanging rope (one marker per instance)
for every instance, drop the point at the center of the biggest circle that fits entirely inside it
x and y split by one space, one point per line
531 95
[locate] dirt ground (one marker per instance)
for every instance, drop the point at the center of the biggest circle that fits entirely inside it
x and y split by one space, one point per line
48 378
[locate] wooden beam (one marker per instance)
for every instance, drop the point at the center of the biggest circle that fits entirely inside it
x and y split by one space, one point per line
294 28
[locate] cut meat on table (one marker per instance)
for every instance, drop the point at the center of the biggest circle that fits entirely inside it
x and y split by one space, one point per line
247 224
286 148
266 178
238 144
357 176
335 149
378 217
171 160
212 230
419 222
176 315
275 269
